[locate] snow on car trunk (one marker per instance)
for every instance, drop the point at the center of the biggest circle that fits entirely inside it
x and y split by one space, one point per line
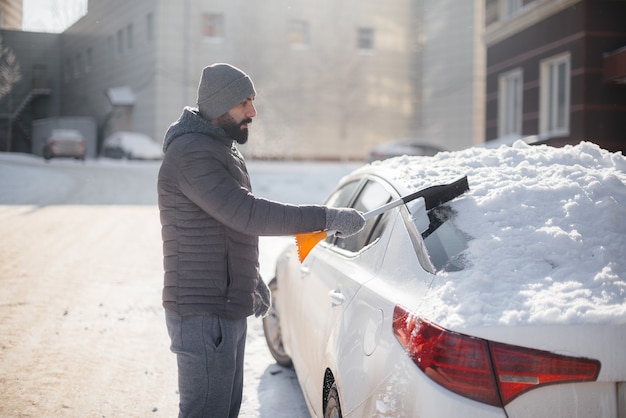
548 235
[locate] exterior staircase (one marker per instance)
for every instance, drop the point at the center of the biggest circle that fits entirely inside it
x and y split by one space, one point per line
28 99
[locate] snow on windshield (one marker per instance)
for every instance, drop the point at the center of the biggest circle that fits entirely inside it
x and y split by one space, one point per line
548 228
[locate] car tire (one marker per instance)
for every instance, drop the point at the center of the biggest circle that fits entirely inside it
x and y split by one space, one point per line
272 331
333 407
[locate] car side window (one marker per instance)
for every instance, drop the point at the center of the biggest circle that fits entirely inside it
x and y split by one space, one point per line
341 197
371 196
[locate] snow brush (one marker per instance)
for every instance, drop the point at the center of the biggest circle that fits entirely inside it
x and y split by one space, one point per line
433 197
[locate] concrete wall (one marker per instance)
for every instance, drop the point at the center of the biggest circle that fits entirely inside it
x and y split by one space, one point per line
452 73
327 100
97 55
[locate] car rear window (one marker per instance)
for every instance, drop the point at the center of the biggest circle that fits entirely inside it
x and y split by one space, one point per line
444 242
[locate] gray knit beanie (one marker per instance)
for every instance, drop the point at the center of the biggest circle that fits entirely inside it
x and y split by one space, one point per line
222 86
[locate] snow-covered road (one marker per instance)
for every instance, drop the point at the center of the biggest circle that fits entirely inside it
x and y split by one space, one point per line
82 326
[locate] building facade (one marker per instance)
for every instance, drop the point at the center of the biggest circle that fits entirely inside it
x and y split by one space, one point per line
333 79
556 70
336 79
451 73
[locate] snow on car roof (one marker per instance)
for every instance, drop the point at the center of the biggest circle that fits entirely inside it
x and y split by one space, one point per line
548 228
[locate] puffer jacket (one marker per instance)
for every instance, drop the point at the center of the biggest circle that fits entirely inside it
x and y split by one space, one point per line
210 221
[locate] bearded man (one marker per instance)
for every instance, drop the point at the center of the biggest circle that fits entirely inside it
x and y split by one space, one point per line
210 224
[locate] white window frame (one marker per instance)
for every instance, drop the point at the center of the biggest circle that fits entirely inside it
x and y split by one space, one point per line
554 106
511 7
213 27
510 103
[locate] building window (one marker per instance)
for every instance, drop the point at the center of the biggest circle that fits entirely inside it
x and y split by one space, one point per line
213 27
365 39
68 70
88 60
510 103
150 26
491 11
129 37
78 65
110 53
298 34
40 76
555 96
120 43
511 8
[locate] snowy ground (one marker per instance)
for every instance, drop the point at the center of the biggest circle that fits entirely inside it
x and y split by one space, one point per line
82 325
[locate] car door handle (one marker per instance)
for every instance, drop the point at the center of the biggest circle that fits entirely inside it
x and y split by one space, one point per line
336 297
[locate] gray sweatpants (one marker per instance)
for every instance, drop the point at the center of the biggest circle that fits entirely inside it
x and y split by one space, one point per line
209 351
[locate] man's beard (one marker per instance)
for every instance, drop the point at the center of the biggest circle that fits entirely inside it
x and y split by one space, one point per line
233 129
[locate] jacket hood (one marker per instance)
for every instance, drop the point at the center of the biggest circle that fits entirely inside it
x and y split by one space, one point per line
191 121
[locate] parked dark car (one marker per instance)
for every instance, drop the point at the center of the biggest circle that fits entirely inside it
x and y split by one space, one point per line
407 146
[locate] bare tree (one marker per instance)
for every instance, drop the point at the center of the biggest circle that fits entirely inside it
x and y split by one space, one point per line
67 12
10 71
59 15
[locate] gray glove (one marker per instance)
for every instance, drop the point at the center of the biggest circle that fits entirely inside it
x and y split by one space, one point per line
262 299
346 221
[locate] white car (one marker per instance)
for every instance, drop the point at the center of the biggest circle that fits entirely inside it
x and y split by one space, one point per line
508 300
132 146
64 143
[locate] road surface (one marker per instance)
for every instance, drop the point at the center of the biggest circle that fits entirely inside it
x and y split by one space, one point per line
82 326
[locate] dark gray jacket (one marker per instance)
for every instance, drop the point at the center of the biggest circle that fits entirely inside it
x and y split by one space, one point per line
211 221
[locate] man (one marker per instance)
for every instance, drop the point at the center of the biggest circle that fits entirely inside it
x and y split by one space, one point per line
211 221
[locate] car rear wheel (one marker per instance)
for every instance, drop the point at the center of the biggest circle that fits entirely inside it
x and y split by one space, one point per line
333 408
271 329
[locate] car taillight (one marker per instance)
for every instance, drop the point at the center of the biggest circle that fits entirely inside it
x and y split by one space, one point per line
482 370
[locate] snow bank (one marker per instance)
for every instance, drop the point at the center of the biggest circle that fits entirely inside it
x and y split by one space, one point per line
548 228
